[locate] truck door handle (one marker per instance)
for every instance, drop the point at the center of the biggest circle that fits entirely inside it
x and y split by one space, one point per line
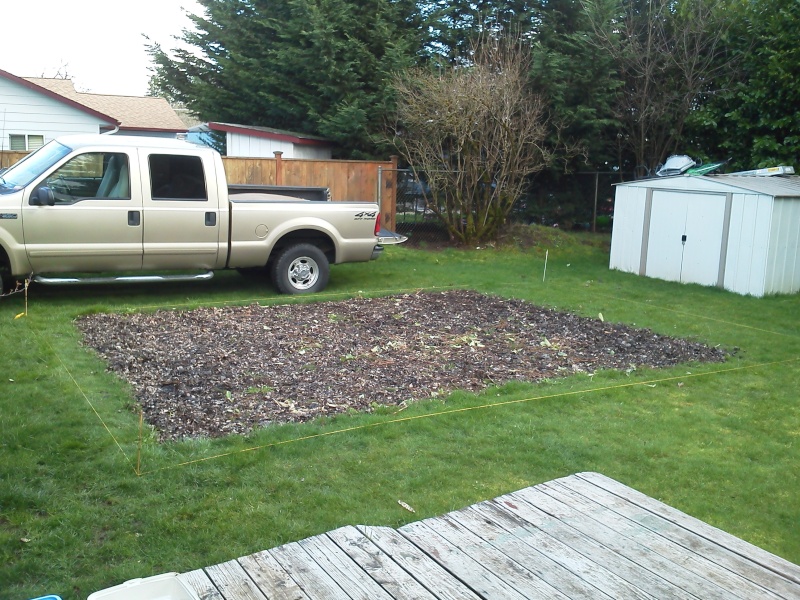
211 219
134 218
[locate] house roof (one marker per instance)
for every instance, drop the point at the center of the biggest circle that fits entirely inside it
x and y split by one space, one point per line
51 94
138 113
272 134
133 113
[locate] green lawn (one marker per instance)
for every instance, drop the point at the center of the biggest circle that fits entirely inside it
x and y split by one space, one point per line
86 501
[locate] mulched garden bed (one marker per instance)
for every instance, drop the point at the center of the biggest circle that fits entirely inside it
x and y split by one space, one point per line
215 371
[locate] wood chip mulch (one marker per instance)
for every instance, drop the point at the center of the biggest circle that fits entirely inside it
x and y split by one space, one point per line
215 371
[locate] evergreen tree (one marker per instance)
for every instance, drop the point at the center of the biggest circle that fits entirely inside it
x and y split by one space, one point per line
456 25
755 123
312 66
578 82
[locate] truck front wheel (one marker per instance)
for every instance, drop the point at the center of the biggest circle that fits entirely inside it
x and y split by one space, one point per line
300 269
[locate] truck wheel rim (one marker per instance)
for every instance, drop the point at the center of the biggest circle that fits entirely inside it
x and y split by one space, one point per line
303 272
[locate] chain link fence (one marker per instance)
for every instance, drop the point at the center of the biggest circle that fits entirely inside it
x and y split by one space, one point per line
576 201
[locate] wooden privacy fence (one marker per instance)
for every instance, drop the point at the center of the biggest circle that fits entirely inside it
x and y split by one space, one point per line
8 158
348 180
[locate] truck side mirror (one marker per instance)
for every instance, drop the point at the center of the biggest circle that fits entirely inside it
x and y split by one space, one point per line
43 196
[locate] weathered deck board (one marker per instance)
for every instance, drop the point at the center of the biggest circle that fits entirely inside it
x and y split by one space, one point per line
271 578
380 566
580 537
697 555
606 547
751 553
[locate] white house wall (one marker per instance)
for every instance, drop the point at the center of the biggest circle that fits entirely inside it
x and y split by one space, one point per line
626 237
25 112
748 239
248 146
783 272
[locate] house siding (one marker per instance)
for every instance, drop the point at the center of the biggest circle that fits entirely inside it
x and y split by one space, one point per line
24 111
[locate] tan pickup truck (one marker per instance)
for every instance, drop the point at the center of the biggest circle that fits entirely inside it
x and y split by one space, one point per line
123 208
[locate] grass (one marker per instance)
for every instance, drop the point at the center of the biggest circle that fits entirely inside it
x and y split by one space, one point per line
84 504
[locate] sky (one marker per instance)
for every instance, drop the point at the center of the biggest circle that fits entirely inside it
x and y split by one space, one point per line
99 44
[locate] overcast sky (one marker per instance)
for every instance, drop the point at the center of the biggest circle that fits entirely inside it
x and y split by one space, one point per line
98 43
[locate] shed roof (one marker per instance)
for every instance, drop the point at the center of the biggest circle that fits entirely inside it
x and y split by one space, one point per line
783 186
142 113
272 133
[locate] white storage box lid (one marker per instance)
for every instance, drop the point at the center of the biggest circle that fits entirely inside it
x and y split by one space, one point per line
158 587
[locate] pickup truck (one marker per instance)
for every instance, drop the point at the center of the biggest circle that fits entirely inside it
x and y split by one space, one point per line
105 208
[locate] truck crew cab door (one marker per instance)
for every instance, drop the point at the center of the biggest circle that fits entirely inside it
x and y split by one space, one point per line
85 215
181 211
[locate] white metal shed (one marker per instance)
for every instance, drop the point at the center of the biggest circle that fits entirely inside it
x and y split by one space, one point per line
737 232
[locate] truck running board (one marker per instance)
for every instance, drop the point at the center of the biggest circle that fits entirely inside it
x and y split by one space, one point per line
122 279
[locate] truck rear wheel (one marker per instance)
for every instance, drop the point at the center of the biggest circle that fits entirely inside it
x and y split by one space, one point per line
300 269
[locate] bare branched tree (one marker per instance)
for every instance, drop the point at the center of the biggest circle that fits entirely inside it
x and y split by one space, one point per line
668 54
476 131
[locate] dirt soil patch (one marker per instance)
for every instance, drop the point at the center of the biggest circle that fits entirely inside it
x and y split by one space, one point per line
215 371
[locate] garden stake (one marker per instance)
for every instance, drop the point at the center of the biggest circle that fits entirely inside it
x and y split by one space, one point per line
546 252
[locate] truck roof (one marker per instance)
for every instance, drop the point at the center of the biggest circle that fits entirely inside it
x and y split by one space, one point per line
95 139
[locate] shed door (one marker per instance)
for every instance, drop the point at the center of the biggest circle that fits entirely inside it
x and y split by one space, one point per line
685 237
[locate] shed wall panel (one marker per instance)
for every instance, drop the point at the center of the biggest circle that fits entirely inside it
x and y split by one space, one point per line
783 271
250 146
626 237
311 152
255 147
751 217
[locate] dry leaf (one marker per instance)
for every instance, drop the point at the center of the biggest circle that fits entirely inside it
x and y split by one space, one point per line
406 506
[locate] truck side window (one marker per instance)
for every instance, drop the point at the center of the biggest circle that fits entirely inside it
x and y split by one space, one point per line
177 177
91 175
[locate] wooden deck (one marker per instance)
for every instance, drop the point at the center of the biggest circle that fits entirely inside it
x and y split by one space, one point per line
583 536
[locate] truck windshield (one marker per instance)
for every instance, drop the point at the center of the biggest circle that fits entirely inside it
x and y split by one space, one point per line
30 167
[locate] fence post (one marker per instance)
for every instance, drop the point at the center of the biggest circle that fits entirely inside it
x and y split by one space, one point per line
278 167
387 194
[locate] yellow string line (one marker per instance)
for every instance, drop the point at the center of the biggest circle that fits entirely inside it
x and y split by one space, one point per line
89 402
680 312
686 314
320 296
651 382
138 472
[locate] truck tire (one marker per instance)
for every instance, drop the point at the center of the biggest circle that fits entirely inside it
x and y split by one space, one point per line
6 281
300 269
